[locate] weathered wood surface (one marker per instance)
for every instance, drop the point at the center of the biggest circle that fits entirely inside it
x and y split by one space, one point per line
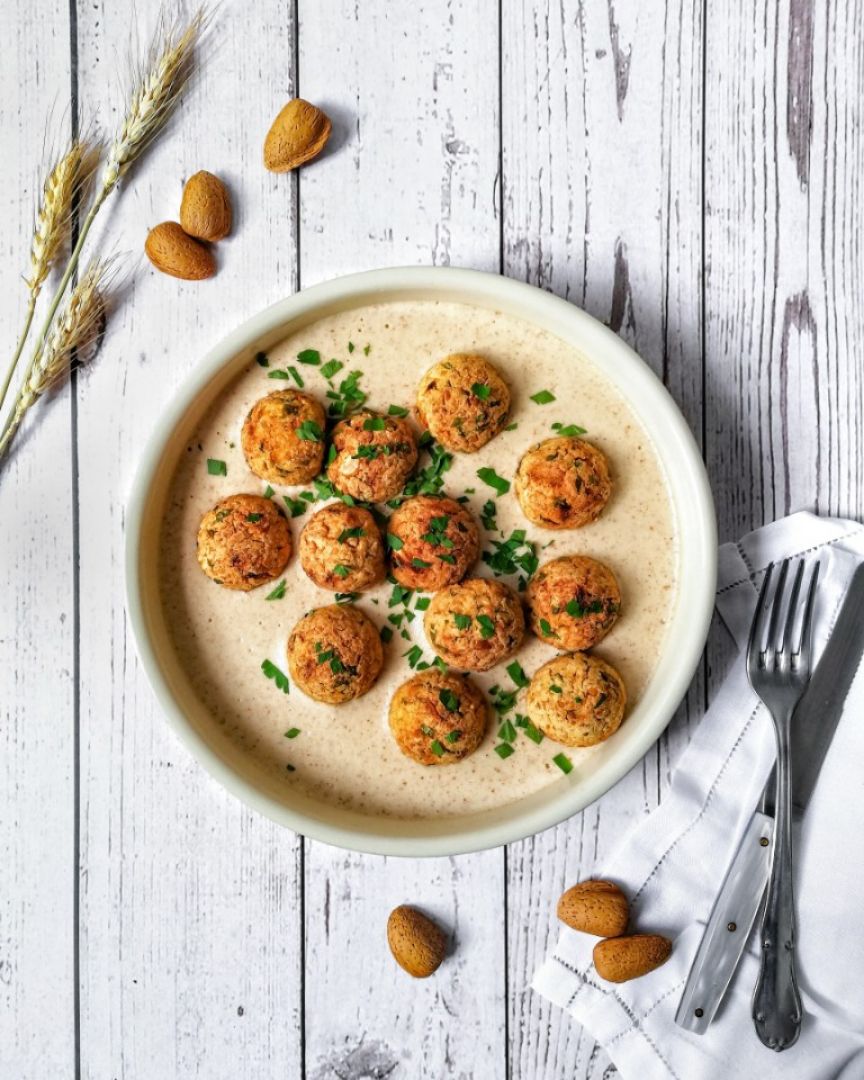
690 180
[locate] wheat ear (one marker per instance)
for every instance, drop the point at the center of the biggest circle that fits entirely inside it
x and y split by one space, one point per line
78 327
64 185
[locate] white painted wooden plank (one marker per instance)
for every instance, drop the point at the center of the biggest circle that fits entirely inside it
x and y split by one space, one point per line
413 92
37 733
190 909
601 110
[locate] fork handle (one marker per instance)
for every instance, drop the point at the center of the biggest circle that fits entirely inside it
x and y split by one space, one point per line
776 1001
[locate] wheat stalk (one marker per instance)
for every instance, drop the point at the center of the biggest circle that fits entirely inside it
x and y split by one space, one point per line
77 328
154 95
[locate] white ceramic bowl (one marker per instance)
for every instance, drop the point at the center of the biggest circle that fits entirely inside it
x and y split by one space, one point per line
697 553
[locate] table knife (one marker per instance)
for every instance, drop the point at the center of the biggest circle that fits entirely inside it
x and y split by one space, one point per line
740 896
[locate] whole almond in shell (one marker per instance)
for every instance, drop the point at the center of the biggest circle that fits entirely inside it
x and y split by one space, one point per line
297 135
623 958
595 907
205 210
418 944
173 252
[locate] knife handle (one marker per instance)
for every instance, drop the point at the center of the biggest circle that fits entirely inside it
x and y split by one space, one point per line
728 927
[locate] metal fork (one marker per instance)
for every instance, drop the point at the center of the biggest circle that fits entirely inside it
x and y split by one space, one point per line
779 671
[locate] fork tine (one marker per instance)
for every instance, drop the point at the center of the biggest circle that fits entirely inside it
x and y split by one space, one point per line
802 656
776 609
786 646
760 617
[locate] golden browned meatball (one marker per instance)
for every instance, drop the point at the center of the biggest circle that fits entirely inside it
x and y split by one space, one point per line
433 542
463 401
283 437
335 654
563 483
476 624
577 699
438 718
374 455
244 542
573 602
341 549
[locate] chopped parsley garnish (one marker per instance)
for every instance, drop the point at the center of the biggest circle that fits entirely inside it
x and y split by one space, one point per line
374 423
216 467
504 750
350 534
487 516
564 763
543 397
296 507
331 368
516 673
555 689
490 477
345 597
386 634
570 430
347 398
511 427
436 748
453 736
278 592
278 373
487 627
296 376
269 492
397 410
450 559
420 564
309 356
502 700
367 349
394 543
481 391
222 514
261 359
546 630
310 432
462 621
579 611
437 535
511 556
421 603
341 570
507 733
400 595
430 479
278 677
449 700
414 655
351 346
292 733
253 519
531 732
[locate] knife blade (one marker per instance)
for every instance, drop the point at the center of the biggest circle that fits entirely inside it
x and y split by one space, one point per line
737 903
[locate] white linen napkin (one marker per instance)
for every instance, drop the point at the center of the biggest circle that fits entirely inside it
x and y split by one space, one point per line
672 864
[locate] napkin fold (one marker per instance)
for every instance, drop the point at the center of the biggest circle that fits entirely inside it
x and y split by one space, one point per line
672 864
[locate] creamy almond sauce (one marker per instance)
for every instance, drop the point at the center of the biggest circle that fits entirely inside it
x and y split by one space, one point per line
345 754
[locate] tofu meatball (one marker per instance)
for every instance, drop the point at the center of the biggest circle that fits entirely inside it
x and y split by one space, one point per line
244 542
341 549
433 541
573 602
577 699
476 624
374 456
563 483
438 718
335 654
463 401
283 437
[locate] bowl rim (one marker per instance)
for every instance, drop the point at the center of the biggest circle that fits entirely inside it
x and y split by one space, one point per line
688 486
